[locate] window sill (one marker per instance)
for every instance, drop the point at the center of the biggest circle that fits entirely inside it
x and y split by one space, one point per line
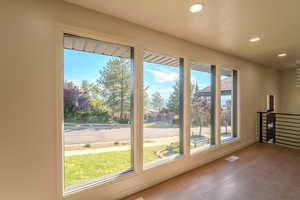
229 140
201 149
162 161
89 184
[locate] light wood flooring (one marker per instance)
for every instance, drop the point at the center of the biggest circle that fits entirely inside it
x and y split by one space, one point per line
263 172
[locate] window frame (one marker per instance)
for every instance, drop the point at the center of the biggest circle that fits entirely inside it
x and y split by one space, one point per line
212 71
235 111
110 178
182 83
138 105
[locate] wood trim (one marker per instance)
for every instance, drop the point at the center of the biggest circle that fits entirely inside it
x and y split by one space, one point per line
218 106
187 106
139 122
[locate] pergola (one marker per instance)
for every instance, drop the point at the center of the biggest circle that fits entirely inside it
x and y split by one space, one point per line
105 48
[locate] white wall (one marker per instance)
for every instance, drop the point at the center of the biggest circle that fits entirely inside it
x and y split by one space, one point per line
29 145
289 93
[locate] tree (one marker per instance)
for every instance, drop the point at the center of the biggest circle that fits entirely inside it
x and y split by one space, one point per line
90 90
85 86
147 102
196 93
226 115
114 86
200 109
74 100
98 105
157 101
173 102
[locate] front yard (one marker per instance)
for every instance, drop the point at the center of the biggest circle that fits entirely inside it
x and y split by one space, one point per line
88 166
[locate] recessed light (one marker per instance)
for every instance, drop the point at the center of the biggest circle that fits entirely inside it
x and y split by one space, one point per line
196 8
282 55
256 39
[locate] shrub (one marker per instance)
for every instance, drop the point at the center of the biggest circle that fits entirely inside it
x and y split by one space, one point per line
124 121
87 117
175 121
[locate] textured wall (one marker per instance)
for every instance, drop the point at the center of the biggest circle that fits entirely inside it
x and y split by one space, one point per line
289 93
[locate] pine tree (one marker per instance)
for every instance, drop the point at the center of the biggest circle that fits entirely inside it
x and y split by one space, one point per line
200 109
173 102
146 102
114 86
85 86
195 92
157 101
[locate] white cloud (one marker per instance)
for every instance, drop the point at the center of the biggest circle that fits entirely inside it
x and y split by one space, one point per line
163 75
163 90
193 79
200 85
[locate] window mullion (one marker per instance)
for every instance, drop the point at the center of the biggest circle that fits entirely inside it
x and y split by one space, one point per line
138 111
218 106
187 107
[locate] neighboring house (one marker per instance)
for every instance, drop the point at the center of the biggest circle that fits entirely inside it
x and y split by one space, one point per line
226 88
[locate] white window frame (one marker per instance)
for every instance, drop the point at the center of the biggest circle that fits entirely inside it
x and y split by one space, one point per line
182 133
218 105
138 105
213 73
60 121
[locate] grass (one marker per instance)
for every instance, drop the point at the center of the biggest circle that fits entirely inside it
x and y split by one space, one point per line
148 124
88 166
149 153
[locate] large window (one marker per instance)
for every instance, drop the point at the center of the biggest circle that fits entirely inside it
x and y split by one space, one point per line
98 85
99 138
202 105
163 102
228 104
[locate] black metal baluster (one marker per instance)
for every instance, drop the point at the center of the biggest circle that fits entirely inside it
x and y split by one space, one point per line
261 127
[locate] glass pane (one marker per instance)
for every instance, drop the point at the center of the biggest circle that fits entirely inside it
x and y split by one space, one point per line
97 110
201 96
226 105
162 112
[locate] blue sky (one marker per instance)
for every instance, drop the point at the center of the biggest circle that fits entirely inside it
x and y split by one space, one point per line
161 78
81 66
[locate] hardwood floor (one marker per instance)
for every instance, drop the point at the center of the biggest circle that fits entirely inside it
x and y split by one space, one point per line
263 172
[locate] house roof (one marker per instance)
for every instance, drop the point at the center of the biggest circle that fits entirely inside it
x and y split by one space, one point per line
226 88
226 84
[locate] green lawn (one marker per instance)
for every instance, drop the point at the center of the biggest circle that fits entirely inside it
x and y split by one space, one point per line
84 167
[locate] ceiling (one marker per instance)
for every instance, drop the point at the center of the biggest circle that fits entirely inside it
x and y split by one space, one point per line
224 25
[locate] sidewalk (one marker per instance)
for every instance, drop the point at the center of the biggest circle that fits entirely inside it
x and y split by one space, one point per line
111 149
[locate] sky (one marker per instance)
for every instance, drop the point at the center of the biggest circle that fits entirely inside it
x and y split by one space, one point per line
162 78
79 66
